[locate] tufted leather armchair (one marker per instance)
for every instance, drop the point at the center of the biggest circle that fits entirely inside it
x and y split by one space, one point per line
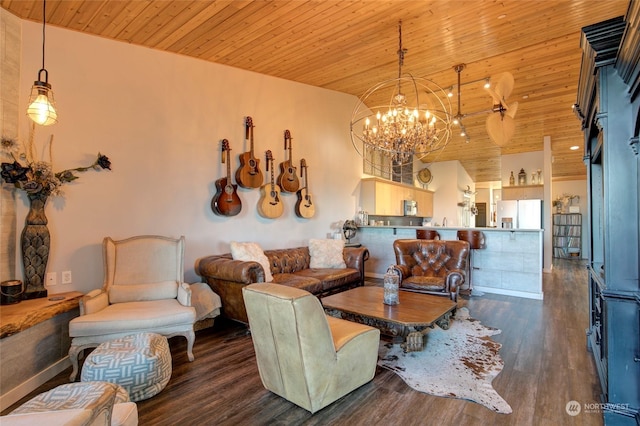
431 266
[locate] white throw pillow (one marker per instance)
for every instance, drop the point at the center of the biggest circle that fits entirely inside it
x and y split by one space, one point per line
252 252
326 254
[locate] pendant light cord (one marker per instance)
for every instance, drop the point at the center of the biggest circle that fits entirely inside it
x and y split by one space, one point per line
44 19
459 90
401 51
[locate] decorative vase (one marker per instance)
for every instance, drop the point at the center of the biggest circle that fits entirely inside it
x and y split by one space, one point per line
391 284
35 242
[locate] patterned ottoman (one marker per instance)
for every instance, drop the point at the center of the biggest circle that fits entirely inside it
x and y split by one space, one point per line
77 403
140 363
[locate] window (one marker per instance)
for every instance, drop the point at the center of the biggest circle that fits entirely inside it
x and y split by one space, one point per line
380 164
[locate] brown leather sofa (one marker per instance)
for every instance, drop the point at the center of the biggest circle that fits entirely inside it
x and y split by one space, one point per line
289 267
431 266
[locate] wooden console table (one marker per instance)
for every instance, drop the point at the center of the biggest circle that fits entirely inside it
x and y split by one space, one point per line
408 321
27 313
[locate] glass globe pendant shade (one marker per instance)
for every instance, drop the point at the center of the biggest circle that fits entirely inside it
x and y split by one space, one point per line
42 109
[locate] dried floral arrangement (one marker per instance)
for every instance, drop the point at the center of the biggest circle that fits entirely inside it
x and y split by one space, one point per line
34 176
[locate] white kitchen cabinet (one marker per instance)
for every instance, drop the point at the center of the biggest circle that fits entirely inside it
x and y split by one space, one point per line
384 198
523 192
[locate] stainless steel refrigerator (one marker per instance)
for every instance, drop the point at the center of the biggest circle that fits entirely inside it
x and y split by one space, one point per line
520 214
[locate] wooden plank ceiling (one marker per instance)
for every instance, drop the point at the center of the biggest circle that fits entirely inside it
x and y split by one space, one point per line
349 46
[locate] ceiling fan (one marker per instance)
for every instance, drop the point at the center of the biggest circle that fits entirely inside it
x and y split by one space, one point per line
501 126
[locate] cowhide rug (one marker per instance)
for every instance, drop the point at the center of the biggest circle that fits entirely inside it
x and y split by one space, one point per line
457 363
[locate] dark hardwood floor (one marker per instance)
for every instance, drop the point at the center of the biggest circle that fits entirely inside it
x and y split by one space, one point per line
544 351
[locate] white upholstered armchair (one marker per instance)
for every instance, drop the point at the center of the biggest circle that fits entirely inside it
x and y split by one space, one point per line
303 355
143 291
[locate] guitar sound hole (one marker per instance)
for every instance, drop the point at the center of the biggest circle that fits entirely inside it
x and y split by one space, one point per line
228 189
274 196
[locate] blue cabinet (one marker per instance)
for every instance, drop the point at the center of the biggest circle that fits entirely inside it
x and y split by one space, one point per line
608 104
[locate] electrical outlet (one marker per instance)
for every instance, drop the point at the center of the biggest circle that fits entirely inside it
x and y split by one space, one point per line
51 279
66 277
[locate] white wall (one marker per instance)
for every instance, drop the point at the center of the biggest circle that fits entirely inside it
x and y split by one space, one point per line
160 118
449 181
529 161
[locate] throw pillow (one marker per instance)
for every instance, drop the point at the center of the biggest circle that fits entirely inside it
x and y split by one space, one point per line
326 254
252 252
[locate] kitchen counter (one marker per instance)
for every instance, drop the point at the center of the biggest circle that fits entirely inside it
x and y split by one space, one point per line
448 228
511 264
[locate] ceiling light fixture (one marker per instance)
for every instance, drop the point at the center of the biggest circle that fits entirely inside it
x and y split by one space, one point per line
499 128
457 119
42 108
574 148
416 121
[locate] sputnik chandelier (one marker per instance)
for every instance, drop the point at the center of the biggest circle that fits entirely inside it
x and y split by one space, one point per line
415 123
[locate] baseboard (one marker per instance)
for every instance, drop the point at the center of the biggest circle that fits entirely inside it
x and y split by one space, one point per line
9 398
524 294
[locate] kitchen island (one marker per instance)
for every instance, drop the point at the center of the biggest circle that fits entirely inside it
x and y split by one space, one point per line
511 264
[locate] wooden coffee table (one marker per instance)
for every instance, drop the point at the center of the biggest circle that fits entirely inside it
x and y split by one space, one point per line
407 322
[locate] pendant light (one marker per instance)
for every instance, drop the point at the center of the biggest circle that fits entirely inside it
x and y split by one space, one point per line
401 118
42 108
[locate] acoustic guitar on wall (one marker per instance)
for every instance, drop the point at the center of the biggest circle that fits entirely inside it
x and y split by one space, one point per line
270 204
249 174
287 179
226 201
304 206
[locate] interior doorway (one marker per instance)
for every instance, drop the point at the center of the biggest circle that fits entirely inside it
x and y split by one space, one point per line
481 217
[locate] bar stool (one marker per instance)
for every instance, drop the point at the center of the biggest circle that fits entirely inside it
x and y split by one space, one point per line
476 241
427 234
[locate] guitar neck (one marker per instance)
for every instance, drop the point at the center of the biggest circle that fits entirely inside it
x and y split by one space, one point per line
304 174
251 143
287 145
273 182
249 135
